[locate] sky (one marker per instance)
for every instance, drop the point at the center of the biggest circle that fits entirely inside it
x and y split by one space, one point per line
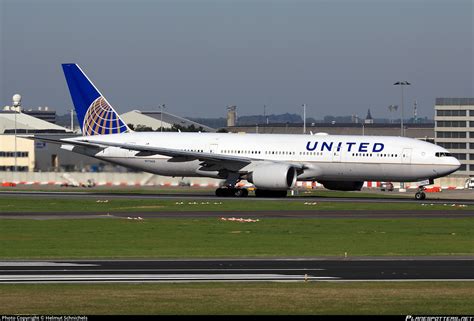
339 57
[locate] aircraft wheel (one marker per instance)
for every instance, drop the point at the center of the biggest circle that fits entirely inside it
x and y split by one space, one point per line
227 192
230 192
420 196
219 192
241 192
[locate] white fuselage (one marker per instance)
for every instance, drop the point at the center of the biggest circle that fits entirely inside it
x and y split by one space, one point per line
324 157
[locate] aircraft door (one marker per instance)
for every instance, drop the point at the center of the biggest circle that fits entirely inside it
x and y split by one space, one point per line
336 156
213 148
406 156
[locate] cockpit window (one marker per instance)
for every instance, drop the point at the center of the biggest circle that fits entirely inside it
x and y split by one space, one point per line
443 154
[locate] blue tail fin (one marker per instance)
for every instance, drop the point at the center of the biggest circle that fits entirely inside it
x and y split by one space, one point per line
96 116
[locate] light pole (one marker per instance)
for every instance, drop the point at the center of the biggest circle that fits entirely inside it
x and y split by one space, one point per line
72 120
162 106
16 104
304 118
265 113
401 84
15 168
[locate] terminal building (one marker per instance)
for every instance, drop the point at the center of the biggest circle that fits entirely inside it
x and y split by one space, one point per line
454 119
16 154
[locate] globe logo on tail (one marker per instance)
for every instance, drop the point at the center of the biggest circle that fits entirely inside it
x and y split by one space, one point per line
101 119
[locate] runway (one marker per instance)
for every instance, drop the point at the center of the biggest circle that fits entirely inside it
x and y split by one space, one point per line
469 200
238 270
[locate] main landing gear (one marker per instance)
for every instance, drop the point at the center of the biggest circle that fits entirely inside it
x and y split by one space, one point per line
420 194
232 192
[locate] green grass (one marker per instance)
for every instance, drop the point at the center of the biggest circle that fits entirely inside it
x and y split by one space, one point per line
395 298
97 204
211 237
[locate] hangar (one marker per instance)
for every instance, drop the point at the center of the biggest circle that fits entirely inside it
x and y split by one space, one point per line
157 119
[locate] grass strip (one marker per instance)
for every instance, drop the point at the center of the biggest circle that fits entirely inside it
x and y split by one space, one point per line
395 298
103 204
211 237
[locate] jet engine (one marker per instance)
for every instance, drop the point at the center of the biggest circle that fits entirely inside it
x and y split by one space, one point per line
343 186
273 177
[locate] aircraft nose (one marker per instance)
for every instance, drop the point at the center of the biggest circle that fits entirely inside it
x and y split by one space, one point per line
454 165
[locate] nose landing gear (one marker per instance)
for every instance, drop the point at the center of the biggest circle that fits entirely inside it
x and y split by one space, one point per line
420 194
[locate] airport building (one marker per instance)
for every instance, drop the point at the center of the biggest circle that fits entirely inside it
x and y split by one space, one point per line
26 124
30 155
423 131
16 154
157 119
454 119
44 113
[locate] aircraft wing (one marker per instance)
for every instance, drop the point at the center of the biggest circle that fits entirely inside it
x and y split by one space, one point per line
211 161
175 153
62 141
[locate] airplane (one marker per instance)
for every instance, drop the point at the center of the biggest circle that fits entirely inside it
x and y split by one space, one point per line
271 162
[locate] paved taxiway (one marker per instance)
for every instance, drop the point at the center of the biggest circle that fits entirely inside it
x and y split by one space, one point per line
381 214
358 269
310 213
468 197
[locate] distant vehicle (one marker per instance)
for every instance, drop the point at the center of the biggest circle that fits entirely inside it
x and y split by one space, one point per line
90 183
386 186
469 182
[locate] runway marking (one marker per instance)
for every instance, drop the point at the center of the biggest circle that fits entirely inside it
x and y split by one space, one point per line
158 277
44 264
183 278
158 270
401 280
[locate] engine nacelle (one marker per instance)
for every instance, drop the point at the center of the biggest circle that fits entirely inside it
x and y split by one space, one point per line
273 177
342 186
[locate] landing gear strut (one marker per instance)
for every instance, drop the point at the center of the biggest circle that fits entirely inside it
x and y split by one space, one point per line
420 194
232 192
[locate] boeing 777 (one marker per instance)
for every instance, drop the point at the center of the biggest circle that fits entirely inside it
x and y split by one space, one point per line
272 163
